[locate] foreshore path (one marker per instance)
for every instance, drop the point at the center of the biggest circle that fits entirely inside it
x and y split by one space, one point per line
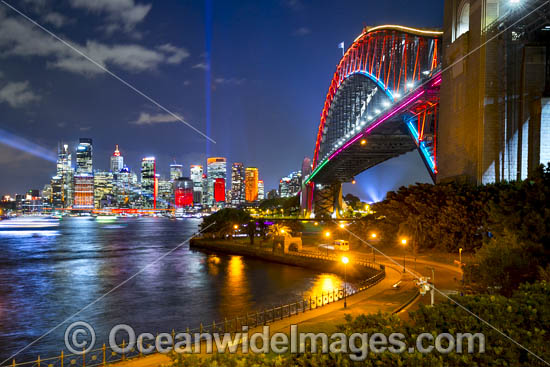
381 297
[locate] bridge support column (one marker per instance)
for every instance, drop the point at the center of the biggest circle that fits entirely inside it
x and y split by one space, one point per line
327 201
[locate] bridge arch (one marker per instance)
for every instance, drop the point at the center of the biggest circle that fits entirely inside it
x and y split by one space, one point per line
385 90
395 58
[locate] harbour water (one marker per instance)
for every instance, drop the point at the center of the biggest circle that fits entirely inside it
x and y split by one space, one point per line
47 276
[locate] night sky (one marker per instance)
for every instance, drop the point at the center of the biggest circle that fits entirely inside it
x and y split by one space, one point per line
271 63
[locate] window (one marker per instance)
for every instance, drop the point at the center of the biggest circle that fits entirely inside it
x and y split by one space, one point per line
463 19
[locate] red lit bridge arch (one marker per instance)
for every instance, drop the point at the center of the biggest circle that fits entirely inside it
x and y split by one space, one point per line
382 102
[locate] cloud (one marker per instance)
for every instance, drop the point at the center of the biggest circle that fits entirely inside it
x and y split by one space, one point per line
56 19
149 119
200 65
175 54
19 38
17 94
121 14
302 31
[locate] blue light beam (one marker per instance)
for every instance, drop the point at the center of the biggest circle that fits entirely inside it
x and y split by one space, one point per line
26 146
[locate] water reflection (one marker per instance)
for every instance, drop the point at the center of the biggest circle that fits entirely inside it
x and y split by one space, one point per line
45 279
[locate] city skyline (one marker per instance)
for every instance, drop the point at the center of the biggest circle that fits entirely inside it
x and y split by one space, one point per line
175 75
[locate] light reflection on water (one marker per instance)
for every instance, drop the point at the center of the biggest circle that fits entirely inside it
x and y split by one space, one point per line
47 276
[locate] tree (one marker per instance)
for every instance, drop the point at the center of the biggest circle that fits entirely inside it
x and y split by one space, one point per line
221 224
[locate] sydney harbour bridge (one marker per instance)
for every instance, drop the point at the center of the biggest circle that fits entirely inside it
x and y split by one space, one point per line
489 68
382 102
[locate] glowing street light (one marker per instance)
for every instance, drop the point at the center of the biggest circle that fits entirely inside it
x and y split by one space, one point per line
316 223
345 261
373 235
327 234
236 226
342 225
363 141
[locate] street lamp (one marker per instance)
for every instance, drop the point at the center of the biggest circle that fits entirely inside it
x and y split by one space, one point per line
327 235
345 260
404 243
342 225
235 228
373 236
460 256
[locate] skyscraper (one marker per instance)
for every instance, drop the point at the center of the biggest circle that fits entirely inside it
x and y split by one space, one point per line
64 178
117 161
183 193
237 184
84 156
261 194
148 182
103 189
176 171
196 177
251 184
217 168
83 191
290 185
219 190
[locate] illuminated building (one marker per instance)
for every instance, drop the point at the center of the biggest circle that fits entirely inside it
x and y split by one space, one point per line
84 163
204 183
290 185
237 184
56 192
183 193
126 188
261 194
251 184
217 168
103 189
31 202
176 171
65 177
83 191
117 161
219 190
196 177
148 182
165 194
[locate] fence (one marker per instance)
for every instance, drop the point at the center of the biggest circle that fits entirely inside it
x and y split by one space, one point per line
105 355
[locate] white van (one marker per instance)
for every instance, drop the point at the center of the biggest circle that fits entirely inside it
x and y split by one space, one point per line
341 245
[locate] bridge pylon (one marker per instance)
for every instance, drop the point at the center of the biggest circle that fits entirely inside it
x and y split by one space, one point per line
327 201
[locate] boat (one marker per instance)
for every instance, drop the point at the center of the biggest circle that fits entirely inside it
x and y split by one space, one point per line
29 223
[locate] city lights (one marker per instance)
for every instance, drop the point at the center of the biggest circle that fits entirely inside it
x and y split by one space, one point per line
373 235
345 259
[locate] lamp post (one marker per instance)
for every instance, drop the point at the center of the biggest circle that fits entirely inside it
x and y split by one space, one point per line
460 256
345 260
373 236
404 243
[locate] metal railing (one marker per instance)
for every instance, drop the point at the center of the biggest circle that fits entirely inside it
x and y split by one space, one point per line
106 355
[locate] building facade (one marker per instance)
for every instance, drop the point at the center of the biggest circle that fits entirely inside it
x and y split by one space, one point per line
251 184
495 90
117 161
84 161
237 184
217 168
196 176
149 182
